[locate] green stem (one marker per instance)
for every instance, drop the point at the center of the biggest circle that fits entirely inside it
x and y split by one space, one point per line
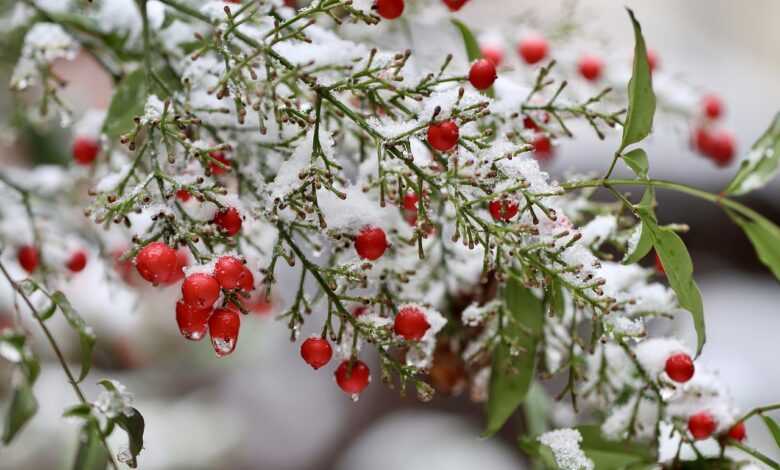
57 352
758 411
755 454
679 187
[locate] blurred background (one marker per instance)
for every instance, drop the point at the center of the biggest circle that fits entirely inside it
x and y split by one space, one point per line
265 408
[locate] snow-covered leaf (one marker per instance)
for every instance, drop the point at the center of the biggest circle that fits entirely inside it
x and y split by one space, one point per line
761 164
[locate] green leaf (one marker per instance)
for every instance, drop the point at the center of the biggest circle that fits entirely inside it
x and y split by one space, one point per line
637 161
91 455
473 52
133 425
641 99
15 350
761 164
773 427
678 267
128 102
512 374
22 408
612 455
469 41
86 335
542 455
82 410
645 243
537 409
765 237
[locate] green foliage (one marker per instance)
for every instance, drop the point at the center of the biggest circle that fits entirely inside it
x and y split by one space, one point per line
133 425
23 405
773 427
678 267
762 164
91 454
637 161
765 237
86 335
514 358
613 455
127 103
473 51
641 98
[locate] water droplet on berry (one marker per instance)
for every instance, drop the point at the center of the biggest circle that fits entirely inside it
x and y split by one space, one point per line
223 347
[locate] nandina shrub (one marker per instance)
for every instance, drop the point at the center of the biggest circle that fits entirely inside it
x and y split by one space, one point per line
247 136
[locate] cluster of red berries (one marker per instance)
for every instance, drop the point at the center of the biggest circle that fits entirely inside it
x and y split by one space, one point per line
680 368
159 263
353 376
28 258
717 144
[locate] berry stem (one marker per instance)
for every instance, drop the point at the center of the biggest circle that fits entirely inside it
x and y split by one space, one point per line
754 453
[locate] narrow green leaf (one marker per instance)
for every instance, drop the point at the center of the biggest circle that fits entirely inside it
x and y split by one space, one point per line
86 335
641 99
82 410
761 164
91 455
637 161
765 237
22 408
773 427
134 426
542 455
513 367
16 351
127 103
473 51
678 267
46 314
469 41
612 455
645 243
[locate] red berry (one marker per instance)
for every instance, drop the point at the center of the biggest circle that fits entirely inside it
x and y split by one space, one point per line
702 140
590 67
454 5
77 261
713 106
229 220
443 135
359 310
223 327
371 242
156 262
352 379
389 9
231 273
722 148
215 168
291 3
85 150
410 208
183 195
200 290
316 352
182 261
410 323
679 367
28 258
701 425
542 147
737 432
503 209
532 48
530 123
652 60
482 74
193 322
493 54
